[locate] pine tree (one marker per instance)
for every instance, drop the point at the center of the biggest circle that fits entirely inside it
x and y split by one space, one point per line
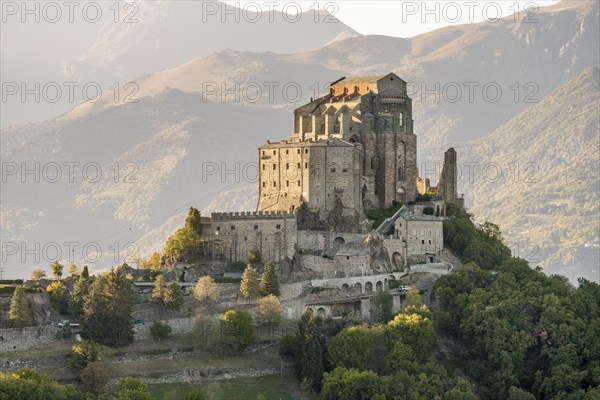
173 297
20 312
312 355
81 288
269 283
249 287
107 310
85 274
194 221
158 293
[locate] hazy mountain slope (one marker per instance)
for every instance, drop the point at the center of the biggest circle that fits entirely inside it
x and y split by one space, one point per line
546 199
147 36
158 157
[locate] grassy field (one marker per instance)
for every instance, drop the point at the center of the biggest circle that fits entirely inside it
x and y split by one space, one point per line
271 387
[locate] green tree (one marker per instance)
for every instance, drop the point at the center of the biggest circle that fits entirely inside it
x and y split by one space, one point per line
194 221
20 313
85 274
85 352
206 290
414 327
186 242
160 330
174 296
236 330
129 388
343 384
153 262
81 289
57 269
94 378
384 302
350 348
196 394
107 310
269 283
38 274
158 293
270 312
515 393
249 287
312 355
413 298
59 296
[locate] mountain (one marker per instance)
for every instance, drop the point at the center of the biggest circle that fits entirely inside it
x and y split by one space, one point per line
537 177
178 145
117 42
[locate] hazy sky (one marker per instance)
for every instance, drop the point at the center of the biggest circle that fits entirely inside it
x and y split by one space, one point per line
407 18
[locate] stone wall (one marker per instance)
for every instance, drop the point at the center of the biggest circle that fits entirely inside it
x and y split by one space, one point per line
19 340
231 235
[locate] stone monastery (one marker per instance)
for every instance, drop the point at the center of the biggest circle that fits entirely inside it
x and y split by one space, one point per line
352 151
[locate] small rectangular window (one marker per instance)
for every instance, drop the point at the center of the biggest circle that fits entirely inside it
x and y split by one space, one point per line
274 152
255 227
287 152
274 184
298 165
287 165
332 169
264 184
263 167
298 183
287 183
298 151
233 227
305 151
274 167
344 169
306 165
422 241
278 226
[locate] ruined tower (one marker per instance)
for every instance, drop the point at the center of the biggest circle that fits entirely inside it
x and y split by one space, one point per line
447 186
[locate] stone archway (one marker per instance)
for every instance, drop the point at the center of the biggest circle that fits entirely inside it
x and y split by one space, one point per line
368 287
321 312
345 288
379 286
357 288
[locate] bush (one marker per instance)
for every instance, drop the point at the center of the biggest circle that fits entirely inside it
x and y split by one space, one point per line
85 352
160 330
7 290
288 347
94 378
11 281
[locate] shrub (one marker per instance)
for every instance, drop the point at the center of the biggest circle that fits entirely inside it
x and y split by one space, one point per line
288 347
94 378
160 330
85 352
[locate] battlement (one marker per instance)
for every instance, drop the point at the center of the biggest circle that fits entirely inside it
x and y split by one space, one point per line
224 216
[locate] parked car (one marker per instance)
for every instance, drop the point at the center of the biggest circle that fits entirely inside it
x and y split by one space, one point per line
145 291
139 322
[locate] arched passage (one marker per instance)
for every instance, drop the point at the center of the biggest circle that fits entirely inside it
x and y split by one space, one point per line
379 286
368 287
357 288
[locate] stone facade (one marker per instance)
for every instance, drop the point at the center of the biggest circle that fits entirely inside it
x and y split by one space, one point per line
376 112
232 235
422 237
325 174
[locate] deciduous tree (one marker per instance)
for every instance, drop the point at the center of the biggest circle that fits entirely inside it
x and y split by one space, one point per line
57 269
158 293
38 274
206 290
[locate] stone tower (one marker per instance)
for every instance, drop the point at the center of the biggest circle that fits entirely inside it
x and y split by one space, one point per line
447 186
375 112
